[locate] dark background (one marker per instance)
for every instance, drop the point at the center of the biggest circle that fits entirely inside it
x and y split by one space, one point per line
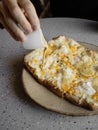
87 9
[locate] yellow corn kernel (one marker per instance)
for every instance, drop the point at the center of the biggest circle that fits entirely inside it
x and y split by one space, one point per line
35 60
73 48
57 67
62 55
51 73
42 73
71 66
48 52
72 90
84 77
95 96
66 62
65 87
76 76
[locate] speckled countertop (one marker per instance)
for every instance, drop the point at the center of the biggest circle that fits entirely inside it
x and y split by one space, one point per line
17 110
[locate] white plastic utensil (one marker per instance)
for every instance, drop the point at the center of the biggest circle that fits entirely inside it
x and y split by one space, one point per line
34 40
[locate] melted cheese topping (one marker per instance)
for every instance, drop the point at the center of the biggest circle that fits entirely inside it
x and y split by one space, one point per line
69 66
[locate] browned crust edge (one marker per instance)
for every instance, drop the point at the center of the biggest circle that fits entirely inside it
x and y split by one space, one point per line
77 101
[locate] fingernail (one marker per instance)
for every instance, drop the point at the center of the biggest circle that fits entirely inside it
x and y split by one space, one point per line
23 39
36 27
28 31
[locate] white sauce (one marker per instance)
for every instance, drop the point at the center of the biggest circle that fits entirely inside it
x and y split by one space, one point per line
73 43
86 58
86 88
64 49
60 40
49 61
76 59
59 82
69 72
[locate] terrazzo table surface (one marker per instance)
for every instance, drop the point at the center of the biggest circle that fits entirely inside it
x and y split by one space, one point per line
17 110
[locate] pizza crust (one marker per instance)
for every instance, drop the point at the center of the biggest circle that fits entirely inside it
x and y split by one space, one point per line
67 96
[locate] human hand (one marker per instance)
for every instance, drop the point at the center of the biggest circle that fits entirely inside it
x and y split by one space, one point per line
16 13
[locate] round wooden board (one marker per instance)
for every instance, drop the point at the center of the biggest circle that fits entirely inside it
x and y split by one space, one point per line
49 100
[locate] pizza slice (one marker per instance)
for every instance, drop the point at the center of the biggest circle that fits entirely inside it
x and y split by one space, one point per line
68 69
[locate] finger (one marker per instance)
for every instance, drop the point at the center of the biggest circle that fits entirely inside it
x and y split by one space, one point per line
8 29
11 26
31 13
23 10
18 15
